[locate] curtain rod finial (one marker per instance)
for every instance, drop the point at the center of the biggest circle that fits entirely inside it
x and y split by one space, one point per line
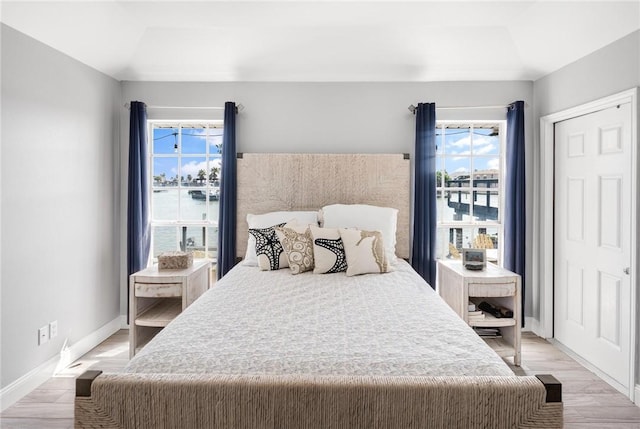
239 107
412 109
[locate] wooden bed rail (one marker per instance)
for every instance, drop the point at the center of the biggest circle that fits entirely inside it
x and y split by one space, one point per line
84 382
195 401
552 386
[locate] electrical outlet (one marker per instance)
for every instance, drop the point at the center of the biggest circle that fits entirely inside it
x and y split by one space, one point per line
43 335
53 329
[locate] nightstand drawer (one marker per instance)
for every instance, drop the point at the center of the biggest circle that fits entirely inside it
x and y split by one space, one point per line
492 289
158 290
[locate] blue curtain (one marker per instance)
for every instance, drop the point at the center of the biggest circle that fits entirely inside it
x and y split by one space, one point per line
227 217
423 255
514 213
138 229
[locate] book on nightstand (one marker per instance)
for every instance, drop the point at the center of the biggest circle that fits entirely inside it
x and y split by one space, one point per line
475 315
488 332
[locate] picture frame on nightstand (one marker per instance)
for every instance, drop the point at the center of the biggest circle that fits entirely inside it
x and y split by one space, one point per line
474 259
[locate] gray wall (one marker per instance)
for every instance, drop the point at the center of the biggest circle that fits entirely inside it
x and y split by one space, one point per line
612 69
59 178
325 117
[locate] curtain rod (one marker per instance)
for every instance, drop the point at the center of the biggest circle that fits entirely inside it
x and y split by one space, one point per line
240 107
413 108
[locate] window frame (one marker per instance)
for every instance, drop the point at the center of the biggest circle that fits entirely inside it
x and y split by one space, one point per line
210 249
441 188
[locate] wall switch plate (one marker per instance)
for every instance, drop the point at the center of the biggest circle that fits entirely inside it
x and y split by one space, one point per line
43 335
53 329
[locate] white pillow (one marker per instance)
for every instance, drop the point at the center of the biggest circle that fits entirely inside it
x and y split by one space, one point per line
365 252
273 218
365 217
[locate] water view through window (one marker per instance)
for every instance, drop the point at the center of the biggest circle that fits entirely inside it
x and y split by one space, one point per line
185 160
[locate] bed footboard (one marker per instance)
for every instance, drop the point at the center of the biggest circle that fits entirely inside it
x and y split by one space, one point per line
253 402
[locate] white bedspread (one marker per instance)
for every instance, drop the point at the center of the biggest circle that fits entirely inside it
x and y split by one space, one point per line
276 323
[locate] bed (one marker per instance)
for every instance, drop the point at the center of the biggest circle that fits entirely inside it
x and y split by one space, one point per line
268 349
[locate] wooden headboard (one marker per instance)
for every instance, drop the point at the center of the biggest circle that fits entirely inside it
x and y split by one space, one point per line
280 181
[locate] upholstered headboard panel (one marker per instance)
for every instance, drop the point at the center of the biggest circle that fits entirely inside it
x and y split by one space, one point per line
277 181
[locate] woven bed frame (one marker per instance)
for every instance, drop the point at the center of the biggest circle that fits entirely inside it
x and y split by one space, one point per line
270 182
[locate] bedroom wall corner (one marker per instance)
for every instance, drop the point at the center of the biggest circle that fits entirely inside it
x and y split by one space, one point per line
59 202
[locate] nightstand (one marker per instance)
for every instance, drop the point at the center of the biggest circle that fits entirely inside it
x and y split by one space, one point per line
158 296
497 286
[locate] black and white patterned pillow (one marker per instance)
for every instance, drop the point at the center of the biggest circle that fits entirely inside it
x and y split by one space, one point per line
271 255
328 251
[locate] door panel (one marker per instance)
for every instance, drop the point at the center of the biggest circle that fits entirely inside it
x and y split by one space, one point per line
592 244
575 289
610 225
575 209
609 311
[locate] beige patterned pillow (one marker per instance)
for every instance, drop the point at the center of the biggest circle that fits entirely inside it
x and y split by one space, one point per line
365 252
299 248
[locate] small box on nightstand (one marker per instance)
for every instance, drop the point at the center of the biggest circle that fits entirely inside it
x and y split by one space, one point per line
175 260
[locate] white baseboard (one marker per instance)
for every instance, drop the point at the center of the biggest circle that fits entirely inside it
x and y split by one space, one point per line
123 322
15 391
532 325
625 390
636 396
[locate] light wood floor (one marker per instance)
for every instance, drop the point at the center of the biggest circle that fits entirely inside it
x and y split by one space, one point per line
588 401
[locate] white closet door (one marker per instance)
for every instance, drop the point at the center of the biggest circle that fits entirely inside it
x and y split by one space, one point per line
592 299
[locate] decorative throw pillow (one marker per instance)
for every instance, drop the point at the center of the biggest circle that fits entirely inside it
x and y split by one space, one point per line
298 245
328 251
365 252
269 251
272 218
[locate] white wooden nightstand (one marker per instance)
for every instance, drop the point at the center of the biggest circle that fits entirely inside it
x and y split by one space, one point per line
495 285
158 296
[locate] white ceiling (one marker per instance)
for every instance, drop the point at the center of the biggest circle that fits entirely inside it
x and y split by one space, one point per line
324 41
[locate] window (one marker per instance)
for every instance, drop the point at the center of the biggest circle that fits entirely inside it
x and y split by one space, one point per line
469 187
185 159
